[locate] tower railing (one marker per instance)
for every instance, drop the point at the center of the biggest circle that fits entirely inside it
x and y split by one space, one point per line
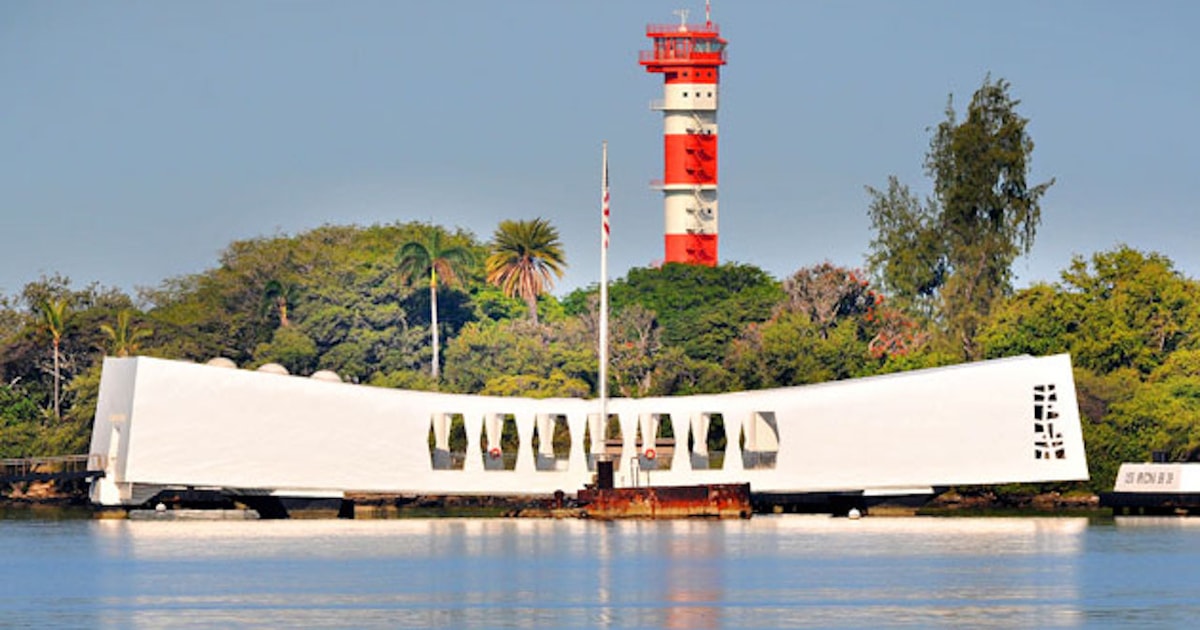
670 29
681 56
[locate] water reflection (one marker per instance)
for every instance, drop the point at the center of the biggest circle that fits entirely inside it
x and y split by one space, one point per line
445 572
794 571
786 571
692 586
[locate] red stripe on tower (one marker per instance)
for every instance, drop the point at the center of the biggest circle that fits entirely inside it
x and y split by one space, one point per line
689 56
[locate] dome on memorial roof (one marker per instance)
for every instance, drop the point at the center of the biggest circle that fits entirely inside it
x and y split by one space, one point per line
273 368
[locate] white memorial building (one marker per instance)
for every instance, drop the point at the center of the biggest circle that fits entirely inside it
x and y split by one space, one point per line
164 425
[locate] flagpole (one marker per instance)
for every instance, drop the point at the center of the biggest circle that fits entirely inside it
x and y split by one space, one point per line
599 433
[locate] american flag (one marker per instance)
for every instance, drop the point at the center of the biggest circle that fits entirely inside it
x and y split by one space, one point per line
604 206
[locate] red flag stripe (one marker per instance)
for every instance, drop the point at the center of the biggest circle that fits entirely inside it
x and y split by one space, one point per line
605 207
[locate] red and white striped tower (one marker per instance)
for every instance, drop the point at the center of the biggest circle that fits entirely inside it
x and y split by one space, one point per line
689 56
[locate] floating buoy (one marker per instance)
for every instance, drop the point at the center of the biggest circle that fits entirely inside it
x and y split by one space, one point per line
650 454
854 514
494 453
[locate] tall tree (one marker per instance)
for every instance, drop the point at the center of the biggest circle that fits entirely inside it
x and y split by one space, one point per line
441 261
54 312
525 254
984 214
990 213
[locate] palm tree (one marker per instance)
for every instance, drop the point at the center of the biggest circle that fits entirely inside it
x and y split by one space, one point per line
124 334
54 316
524 255
431 256
277 296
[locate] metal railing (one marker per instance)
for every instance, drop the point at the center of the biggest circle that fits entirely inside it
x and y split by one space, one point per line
54 467
682 56
698 27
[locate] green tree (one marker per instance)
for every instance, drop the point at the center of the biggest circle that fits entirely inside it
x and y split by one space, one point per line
290 348
431 256
697 308
124 336
984 214
831 325
1133 310
404 379
191 320
75 432
1040 320
907 254
677 374
990 213
525 255
485 350
1119 309
493 304
641 365
27 354
545 356
779 353
1160 413
19 416
1171 398
1107 443
54 313
278 296
346 299
557 385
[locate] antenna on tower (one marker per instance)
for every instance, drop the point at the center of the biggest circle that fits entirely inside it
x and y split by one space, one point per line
708 13
682 13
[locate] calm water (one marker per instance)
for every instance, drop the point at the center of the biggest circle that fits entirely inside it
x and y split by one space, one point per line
771 571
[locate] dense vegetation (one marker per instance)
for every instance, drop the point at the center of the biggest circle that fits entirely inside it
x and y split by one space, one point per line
377 304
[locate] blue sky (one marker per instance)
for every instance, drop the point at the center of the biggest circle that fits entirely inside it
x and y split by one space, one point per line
137 139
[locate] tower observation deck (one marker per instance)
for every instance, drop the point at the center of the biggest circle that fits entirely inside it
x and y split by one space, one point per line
689 56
